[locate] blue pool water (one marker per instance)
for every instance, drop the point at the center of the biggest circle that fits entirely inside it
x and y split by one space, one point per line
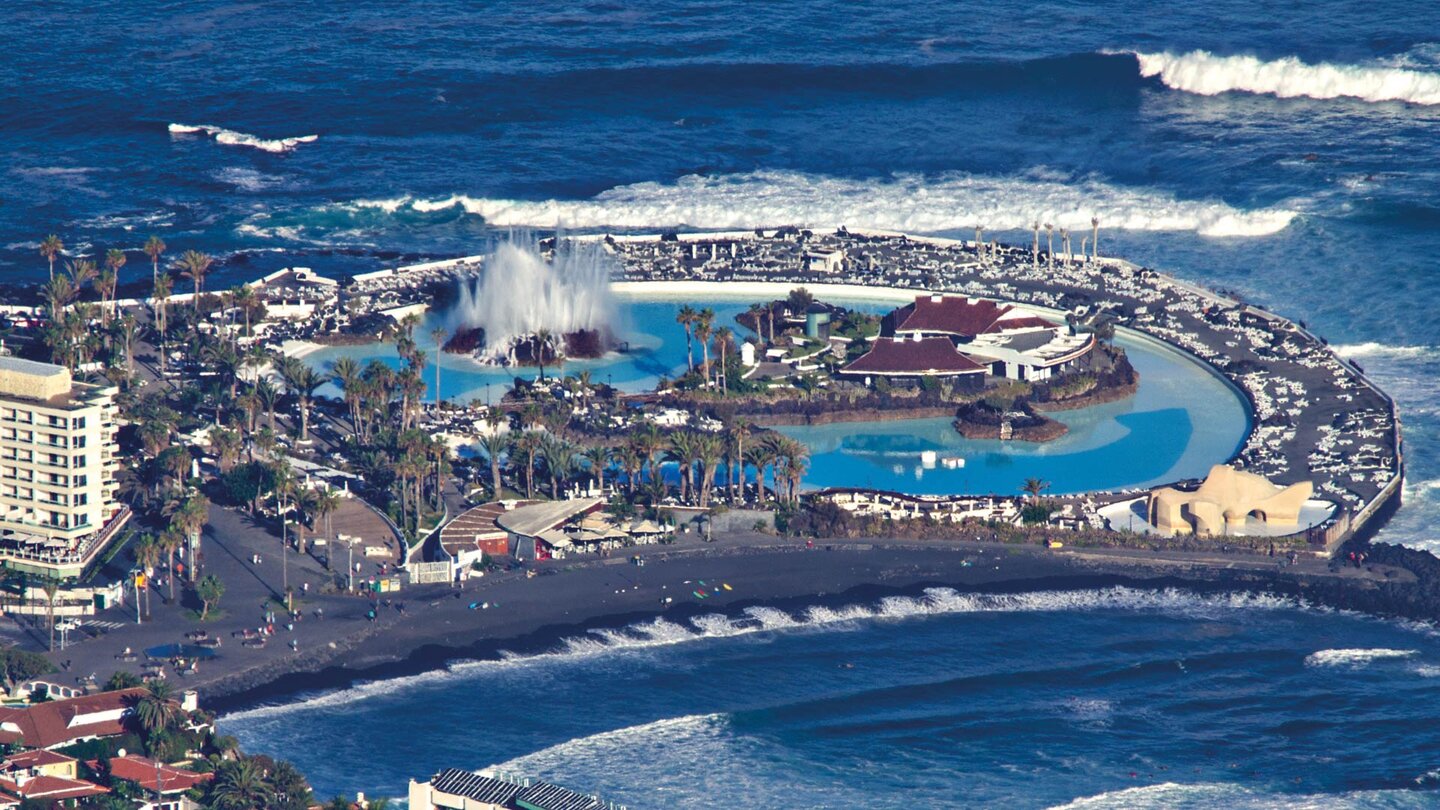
1183 419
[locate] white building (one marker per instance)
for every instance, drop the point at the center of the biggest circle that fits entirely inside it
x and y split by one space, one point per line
57 469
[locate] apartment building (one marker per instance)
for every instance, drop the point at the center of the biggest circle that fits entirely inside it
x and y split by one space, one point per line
57 469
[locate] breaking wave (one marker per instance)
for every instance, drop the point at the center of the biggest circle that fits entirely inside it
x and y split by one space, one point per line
1205 795
662 632
1373 349
230 137
902 202
1209 74
647 742
1355 657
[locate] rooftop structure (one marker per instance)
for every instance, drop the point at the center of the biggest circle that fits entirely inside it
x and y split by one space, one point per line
61 722
155 777
57 469
465 790
921 357
477 532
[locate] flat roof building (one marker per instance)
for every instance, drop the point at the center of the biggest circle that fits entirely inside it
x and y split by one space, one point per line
57 469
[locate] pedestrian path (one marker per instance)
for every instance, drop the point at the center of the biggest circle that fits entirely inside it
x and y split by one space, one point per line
102 624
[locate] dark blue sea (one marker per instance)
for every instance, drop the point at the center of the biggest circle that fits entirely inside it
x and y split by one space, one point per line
1287 151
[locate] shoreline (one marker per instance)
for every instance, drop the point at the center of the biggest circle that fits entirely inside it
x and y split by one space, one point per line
836 574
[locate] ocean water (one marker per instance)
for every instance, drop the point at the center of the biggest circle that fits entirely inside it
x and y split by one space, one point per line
1111 698
1287 152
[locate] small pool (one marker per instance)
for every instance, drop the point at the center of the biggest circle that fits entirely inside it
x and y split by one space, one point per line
180 651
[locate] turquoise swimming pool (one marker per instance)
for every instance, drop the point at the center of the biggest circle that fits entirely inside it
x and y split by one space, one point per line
1183 419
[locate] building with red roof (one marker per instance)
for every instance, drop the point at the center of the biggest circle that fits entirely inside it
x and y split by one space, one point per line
154 777
50 788
60 722
999 338
907 360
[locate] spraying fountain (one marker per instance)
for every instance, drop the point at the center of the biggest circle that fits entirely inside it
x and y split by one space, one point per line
530 304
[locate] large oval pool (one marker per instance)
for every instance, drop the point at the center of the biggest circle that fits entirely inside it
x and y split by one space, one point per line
1183 419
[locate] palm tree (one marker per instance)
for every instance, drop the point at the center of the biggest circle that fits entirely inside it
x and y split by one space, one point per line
50 247
1035 247
225 362
438 335
81 271
525 446
629 460
598 457
240 785
542 342
346 373
326 503
708 450
170 542
1050 250
302 381
147 555
703 325
194 265
495 444
648 442
268 395
114 260
1034 486
682 451
154 247
51 587
558 457
757 456
155 711
756 312
58 293
722 342
686 318
244 299
159 297
1094 239
105 285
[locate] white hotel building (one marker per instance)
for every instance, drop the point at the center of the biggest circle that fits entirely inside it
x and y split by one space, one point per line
57 469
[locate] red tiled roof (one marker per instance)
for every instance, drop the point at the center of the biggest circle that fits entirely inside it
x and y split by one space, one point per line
56 722
1023 322
39 758
142 770
54 788
951 315
928 356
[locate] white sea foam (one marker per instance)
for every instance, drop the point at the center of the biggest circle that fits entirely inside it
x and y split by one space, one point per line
248 179
1355 657
230 137
1205 795
661 632
1209 74
902 202
647 742
1373 349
